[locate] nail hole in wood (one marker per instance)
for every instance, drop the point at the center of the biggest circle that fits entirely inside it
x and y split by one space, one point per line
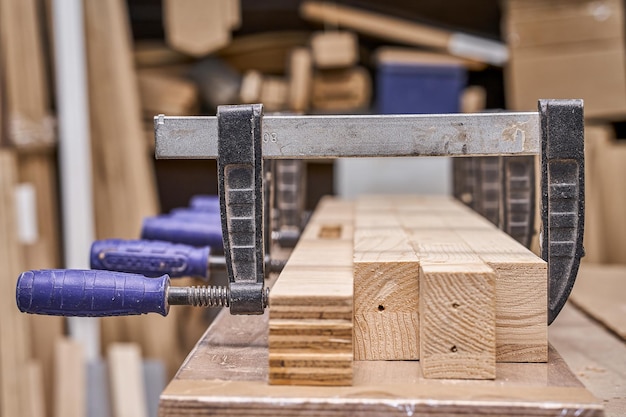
381 307
453 349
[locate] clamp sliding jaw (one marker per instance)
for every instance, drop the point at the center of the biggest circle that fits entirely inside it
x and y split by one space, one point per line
240 138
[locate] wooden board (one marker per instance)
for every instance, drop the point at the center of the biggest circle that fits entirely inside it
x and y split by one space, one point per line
341 90
599 291
334 49
14 341
310 327
31 130
226 374
386 292
124 183
441 230
197 27
163 93
70 395
300 78
128 394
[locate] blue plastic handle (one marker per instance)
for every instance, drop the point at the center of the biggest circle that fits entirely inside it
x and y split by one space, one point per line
186 231
150 257
195 215
89 293
201 202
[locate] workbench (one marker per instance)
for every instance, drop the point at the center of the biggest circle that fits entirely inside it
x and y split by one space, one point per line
226 374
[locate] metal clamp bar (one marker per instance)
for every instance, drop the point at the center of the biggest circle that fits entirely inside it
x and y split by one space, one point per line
310 137
240 169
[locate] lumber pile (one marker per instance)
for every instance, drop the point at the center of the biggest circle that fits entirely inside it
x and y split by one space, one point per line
432 280
310 325
28 133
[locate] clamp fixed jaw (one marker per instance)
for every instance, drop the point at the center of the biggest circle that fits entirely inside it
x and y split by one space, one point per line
240 138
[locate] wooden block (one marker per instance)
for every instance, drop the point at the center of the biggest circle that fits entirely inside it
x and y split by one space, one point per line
266 52
197 27
274 93
345 89
334 49
310 326
386 302
457 321
250 91
149 53
474 99
521 303
161 93
70 377
300 79
128 394
386 293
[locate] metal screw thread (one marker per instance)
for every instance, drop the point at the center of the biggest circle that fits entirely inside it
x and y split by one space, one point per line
211 296
206 296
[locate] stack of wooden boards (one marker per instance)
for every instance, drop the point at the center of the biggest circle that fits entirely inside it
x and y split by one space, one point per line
322 76
431 280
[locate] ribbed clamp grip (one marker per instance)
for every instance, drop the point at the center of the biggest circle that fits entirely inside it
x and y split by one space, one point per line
150 257
195 233
87 293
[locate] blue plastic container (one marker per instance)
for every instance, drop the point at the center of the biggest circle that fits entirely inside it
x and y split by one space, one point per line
419 88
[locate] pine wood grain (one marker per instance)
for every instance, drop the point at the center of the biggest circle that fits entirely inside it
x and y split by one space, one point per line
521 292
386 296
457 321
521 277
310 328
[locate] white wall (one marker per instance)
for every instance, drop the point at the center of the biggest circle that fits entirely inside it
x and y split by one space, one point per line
426 175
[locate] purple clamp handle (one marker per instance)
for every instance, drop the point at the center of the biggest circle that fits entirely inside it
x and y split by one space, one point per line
187 231
150 258
185 213
209 203
88 293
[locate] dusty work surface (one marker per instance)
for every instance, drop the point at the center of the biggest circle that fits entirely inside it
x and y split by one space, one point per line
226 374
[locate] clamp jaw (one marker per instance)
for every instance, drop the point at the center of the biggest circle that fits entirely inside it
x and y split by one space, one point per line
244 138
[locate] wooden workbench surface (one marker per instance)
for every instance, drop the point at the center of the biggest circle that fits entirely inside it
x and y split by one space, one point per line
226 374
